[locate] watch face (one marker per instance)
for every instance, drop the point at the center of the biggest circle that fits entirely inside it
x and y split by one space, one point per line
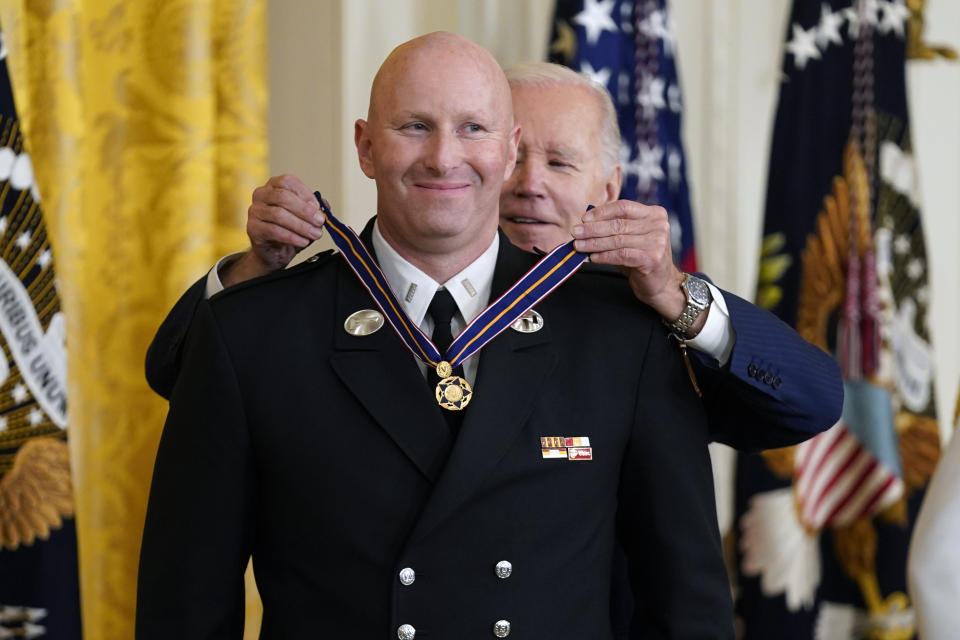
698 290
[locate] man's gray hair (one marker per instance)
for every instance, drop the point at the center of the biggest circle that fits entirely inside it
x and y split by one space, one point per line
548 74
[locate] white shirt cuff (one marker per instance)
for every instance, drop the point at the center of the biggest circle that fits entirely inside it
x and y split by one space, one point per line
717 337
213 276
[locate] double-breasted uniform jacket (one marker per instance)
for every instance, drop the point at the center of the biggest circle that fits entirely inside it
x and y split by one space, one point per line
326 457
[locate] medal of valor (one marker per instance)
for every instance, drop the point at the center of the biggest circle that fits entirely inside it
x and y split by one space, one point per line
453 392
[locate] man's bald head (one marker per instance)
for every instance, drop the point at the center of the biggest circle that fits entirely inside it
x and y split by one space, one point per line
433 50
439 141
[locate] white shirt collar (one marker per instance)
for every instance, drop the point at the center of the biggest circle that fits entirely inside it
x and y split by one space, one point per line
414 289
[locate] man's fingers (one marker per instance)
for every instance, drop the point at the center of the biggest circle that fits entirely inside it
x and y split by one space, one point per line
293 184
266 234
624 209
629 257
279 198
616 226
277 224
624 255
289 191
626 250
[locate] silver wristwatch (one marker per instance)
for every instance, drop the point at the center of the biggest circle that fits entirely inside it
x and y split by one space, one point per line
698 298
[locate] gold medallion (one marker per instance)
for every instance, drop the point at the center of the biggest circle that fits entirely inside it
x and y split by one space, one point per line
444 369
453 392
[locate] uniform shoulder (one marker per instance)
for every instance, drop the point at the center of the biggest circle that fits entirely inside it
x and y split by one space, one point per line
312 265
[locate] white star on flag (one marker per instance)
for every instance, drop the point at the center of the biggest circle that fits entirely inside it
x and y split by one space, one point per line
803 47
856 17
3 423
829 28
24 240
650 96
894 15
45 258
915 268
902 244
595 18
659 25
601 77
3 224
630 168
36 417
649 165
19 393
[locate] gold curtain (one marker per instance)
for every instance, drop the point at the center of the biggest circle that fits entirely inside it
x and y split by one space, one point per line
146 124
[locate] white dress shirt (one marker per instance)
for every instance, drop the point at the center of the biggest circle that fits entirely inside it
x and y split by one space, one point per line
414 289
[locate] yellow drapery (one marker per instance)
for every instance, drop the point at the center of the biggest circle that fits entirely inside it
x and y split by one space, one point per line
146 122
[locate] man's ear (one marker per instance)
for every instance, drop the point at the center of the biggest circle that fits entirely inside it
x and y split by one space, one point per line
611 188
512 152
362 140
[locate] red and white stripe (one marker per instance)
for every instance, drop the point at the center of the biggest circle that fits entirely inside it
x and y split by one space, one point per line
838 480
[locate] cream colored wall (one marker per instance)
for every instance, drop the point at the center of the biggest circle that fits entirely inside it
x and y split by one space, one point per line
324 55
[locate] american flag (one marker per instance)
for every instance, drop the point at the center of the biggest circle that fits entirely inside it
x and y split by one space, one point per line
839 480
628 47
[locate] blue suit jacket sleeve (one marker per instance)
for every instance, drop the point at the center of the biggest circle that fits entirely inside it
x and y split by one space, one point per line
776 390
163 354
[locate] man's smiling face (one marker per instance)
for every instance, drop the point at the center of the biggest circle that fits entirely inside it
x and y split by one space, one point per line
439 142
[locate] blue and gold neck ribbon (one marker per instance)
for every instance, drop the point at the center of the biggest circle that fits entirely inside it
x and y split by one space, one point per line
534 286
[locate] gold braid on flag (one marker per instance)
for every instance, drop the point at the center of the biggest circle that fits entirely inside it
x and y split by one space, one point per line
825 257
147 127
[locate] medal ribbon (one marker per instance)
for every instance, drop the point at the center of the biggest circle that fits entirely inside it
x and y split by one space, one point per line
534 286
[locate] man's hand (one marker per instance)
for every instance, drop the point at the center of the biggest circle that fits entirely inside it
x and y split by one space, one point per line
283 218
636 238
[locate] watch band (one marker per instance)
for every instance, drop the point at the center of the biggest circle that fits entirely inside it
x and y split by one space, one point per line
696 303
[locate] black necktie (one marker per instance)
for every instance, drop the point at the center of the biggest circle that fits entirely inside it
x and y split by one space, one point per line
441 310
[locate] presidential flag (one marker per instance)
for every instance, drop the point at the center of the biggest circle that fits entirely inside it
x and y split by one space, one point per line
824 526
627 46
39 587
